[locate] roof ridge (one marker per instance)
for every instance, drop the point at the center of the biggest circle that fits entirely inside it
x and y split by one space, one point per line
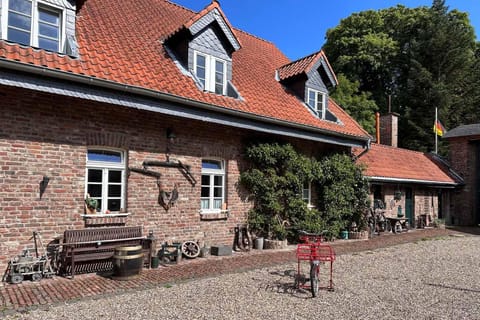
303 58
253 36
180 6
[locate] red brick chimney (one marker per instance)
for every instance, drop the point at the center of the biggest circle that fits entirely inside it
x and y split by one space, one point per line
389 129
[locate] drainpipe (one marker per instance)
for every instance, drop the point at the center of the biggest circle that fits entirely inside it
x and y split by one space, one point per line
377 127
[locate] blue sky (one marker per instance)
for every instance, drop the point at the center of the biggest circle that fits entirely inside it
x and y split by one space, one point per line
298 27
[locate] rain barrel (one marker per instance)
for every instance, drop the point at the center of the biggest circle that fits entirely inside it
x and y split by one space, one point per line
127 262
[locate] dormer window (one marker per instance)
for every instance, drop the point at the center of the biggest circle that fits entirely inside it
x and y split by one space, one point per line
39 24
211 72
34 23
317 101
204 48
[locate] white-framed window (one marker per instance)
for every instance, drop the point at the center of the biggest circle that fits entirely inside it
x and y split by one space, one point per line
33 23
318 101
211 72
105 178
307 193
213 186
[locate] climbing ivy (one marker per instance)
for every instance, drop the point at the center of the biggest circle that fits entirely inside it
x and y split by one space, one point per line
275 179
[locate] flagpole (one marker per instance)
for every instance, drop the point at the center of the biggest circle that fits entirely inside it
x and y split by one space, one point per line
435 130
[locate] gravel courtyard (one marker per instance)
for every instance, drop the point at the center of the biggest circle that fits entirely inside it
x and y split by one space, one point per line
433 279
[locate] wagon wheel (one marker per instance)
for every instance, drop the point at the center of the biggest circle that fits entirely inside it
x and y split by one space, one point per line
190 249
16 278
36 276
397 228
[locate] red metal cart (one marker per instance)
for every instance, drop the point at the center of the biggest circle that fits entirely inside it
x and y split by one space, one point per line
313 252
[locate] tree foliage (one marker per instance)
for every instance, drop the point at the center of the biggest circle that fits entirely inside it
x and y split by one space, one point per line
423 58
356 103
275 181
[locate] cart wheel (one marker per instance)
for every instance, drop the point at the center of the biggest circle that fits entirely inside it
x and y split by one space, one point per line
388 226
190 249
36 276
314 279
16 278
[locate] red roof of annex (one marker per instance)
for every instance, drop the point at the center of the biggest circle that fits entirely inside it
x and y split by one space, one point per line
389 162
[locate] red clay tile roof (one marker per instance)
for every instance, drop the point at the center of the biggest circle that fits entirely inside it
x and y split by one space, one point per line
302 65
396 163
120 41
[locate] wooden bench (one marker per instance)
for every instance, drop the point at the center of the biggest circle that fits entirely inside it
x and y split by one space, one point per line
91 250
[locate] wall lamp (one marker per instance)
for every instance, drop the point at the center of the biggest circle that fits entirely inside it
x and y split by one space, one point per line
171 135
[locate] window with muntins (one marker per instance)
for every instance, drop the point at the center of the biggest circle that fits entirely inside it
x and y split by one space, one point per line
307 193
213 186
317 101
211 72
31 22
105 179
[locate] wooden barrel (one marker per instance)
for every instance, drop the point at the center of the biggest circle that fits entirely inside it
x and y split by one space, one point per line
127 262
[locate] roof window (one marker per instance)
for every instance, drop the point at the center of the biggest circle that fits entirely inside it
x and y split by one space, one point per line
317 101
39 24
211 72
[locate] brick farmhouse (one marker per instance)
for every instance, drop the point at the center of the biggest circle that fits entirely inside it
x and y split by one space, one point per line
129 102
89 103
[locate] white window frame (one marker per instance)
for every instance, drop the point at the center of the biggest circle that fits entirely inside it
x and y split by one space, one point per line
210 72
307 188
34 27
212 173
106 166
315 104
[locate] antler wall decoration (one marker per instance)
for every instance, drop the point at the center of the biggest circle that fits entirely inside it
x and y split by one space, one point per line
167 199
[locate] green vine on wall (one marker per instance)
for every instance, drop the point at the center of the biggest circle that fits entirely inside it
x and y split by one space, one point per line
275 180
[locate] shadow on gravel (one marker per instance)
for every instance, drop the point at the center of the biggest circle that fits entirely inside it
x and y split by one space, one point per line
453 288
469 230
287 284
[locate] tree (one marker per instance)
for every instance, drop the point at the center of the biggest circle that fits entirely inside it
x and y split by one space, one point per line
357 104
361 49
423 57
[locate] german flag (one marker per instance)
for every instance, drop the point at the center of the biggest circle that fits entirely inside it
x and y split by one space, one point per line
439 129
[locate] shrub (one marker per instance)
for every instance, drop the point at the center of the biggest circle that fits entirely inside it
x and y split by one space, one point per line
275 181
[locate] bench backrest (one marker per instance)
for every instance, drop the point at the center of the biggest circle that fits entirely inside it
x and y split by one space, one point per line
99 234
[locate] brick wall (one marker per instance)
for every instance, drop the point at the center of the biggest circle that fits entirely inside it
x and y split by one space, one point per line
462 156
424 201
42 135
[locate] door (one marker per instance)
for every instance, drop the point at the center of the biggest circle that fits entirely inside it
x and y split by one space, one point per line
409 206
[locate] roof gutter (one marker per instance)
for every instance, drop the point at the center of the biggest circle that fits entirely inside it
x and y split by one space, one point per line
107 84
418 181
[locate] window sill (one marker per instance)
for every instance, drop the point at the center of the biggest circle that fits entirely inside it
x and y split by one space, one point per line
105 215
214 215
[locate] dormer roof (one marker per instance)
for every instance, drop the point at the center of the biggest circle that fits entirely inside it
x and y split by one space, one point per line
307 64
211 14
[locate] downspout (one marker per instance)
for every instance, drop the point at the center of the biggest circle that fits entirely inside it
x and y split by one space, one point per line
368 147
377 127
